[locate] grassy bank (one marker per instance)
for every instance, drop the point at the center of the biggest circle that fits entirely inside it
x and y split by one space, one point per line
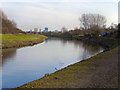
107 42
15 41
100 71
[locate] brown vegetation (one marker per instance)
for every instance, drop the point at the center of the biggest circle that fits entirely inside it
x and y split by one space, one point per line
8 26
92 21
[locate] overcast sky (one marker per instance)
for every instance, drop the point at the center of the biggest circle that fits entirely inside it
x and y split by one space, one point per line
54 14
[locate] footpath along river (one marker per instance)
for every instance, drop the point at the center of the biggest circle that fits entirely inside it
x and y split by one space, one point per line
20 66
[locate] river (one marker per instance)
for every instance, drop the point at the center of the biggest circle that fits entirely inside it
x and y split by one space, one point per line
22 65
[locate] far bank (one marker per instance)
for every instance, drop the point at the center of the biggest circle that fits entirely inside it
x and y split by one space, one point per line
16 41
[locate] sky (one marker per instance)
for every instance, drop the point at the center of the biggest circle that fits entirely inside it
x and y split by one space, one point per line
55 14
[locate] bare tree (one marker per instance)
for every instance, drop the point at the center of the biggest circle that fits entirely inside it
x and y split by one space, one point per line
2 15
13 23
89 21
8 26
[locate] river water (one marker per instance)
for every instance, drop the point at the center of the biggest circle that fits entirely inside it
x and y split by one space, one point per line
20 66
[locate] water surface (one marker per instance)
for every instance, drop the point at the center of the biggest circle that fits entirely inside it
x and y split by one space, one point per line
26 64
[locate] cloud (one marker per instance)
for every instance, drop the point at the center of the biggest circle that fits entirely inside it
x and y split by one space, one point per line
31 14
29 17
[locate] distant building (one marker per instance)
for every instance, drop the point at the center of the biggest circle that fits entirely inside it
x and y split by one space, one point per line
39 30
64 29
46 29
56 31
35 30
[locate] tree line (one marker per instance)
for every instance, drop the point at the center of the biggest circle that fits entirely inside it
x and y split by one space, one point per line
8 26
92 21
90 24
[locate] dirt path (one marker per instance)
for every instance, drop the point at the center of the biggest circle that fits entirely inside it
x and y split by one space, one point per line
100 71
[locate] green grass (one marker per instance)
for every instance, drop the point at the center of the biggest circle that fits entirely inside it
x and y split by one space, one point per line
13 41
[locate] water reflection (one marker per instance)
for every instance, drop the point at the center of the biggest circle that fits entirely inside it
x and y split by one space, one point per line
88 48
8 54
29 63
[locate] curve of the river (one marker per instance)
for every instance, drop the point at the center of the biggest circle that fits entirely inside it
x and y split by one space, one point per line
20 66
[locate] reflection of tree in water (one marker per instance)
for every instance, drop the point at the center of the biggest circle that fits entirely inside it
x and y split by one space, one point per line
90 49
8 53
84 54
64 42
76 43
50 39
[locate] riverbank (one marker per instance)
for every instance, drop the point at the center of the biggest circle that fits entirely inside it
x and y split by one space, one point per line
100 71
16 41
108 42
